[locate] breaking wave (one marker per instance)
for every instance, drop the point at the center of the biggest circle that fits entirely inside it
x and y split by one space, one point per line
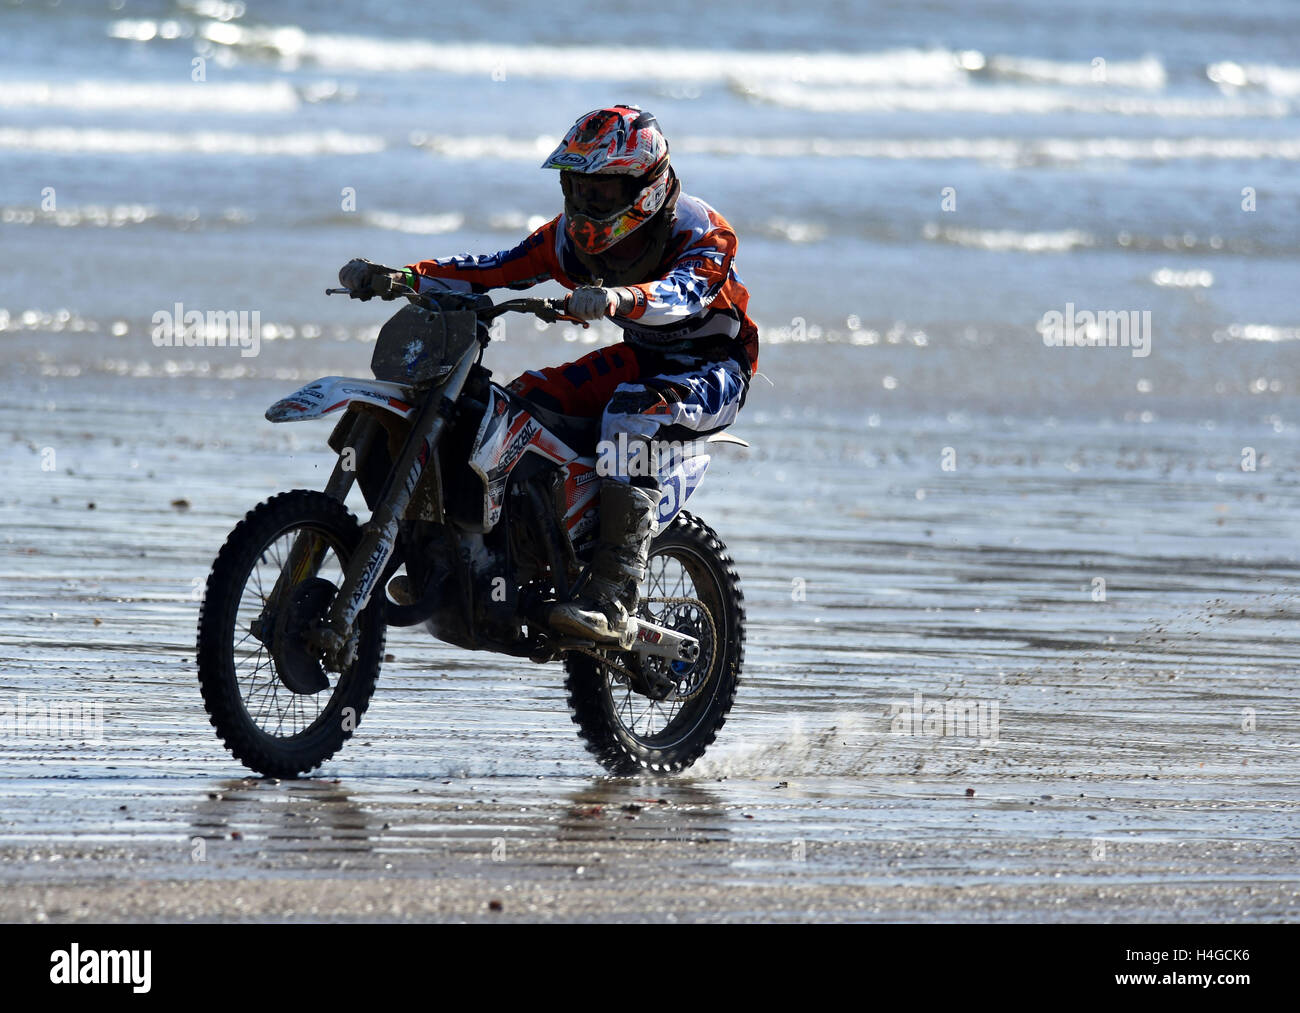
1017 150
272 97
79 140
1005 99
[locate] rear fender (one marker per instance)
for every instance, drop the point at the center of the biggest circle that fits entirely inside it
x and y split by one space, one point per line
682 475
676 486
333 393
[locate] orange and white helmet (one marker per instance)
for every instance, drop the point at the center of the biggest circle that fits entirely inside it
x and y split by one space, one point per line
624 150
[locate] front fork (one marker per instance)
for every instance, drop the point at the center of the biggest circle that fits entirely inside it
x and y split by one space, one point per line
337 639
308 551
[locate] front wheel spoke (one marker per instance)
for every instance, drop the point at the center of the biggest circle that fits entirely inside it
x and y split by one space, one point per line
255 671
257 667
263 708
302 712
261 691
258 692
279 709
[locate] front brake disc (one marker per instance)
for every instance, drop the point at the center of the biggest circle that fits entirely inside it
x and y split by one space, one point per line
296 663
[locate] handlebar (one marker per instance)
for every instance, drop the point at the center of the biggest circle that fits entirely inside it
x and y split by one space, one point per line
549 310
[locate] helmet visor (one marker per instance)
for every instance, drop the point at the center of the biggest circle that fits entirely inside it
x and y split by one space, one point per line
599 195
602 209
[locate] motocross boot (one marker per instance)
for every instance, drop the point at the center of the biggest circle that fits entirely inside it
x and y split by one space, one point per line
605 610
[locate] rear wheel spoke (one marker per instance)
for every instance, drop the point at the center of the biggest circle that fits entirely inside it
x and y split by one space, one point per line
668 576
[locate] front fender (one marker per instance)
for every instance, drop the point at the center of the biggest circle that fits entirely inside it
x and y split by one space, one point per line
332 393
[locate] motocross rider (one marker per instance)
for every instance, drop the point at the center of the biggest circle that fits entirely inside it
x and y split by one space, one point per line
661 263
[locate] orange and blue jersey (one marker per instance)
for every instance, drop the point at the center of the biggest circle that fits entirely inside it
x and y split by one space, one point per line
696 304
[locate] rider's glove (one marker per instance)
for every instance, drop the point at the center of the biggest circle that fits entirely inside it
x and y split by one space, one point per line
366 279
591 302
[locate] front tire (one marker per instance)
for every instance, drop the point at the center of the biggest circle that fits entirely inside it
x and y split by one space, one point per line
630 733
267 726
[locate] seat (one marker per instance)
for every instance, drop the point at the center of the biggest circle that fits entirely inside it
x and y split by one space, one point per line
578 431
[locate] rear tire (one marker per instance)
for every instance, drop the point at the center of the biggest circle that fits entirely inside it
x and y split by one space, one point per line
629 733
319 723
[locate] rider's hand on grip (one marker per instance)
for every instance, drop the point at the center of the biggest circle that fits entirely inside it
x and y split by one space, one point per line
590 302
364 279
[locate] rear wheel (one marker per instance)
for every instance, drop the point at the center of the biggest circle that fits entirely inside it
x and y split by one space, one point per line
253 643
691 586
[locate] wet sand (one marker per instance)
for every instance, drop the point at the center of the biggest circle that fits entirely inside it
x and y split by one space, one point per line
517 848
1143 767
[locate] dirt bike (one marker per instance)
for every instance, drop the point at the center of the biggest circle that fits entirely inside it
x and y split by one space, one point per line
490 503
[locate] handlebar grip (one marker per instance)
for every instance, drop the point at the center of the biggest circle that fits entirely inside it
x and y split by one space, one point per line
363 296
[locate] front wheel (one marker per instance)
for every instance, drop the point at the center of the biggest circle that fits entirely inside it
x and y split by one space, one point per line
266 692
691 586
